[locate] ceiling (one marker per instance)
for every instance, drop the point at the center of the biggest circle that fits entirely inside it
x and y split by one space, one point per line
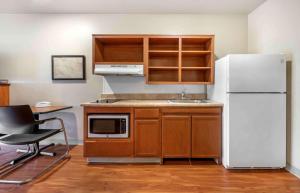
130 6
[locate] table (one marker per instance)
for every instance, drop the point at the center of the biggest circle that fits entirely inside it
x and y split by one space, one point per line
37 111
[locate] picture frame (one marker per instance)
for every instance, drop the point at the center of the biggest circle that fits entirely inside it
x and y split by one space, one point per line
68 67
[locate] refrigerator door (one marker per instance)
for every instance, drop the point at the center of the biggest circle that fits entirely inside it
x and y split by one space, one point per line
256 131
256 73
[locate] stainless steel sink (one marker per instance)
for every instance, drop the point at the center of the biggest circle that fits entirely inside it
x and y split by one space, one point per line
106 101
188 101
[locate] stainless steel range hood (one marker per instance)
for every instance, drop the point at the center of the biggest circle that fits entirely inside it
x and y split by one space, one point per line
115 69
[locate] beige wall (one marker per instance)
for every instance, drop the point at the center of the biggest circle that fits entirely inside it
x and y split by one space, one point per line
274 28
27 42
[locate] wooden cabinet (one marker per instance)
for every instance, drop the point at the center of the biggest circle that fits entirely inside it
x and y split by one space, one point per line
119 49
160 132
108 147
4 94
206 136
147 138
176 136
167 59
191 132
147 132
146 113
180 60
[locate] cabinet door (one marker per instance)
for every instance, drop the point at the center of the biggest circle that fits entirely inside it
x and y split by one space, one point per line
4 95
147 138
176 140
206 136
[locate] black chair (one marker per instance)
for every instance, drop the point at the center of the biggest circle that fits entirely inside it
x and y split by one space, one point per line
18 127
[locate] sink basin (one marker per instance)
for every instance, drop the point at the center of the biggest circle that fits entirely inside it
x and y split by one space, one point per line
188 101
106 101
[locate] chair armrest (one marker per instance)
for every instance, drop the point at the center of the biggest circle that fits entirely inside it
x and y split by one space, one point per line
52 119
45 120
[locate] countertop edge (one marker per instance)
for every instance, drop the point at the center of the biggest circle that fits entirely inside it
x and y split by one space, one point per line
158 104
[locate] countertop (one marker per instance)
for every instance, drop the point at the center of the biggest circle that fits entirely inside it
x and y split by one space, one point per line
151 103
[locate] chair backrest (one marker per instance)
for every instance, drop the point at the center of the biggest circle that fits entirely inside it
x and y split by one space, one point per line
16 119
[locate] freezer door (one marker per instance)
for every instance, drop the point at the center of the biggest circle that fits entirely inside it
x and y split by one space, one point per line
256 130
256 73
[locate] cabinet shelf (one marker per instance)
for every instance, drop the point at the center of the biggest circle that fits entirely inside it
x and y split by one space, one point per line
192 75
197 43
163 75
166 59
196 68
195 52
164 51
196 60
164 43
164 67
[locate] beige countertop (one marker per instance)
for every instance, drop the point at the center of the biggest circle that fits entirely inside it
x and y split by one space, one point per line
152 103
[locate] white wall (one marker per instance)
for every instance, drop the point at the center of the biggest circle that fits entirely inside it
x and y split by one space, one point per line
27 42
274 28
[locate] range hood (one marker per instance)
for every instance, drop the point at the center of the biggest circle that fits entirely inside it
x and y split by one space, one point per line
119 69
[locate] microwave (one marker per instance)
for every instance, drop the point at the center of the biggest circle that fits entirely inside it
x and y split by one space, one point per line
108 126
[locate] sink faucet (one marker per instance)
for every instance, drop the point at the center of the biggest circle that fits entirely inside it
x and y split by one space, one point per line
183 95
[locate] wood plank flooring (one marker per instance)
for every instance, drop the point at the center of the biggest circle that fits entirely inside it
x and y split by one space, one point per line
75 176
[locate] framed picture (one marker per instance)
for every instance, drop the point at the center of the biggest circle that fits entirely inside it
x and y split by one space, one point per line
68 67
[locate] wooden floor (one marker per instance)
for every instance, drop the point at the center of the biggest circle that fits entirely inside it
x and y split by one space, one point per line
75 176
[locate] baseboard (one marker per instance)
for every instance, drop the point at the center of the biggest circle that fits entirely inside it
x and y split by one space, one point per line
293 170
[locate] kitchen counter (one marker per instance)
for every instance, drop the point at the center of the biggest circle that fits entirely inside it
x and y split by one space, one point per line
152 103
157 129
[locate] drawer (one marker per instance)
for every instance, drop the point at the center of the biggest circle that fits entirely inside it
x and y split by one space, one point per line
146 113
108 148
192 110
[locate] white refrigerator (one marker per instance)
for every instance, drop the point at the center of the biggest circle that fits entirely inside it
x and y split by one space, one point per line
253 90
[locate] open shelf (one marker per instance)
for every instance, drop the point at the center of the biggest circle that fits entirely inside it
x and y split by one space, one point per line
118 50
197 43
166 44
163 67
163 51
167 59
196 68
163 75
163 59
195 59
193 76
195 52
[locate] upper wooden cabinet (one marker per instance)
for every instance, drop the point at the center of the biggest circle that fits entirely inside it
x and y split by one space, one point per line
118 49
4 94
167 59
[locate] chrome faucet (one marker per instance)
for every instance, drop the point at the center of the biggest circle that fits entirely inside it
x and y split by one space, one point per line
183 95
